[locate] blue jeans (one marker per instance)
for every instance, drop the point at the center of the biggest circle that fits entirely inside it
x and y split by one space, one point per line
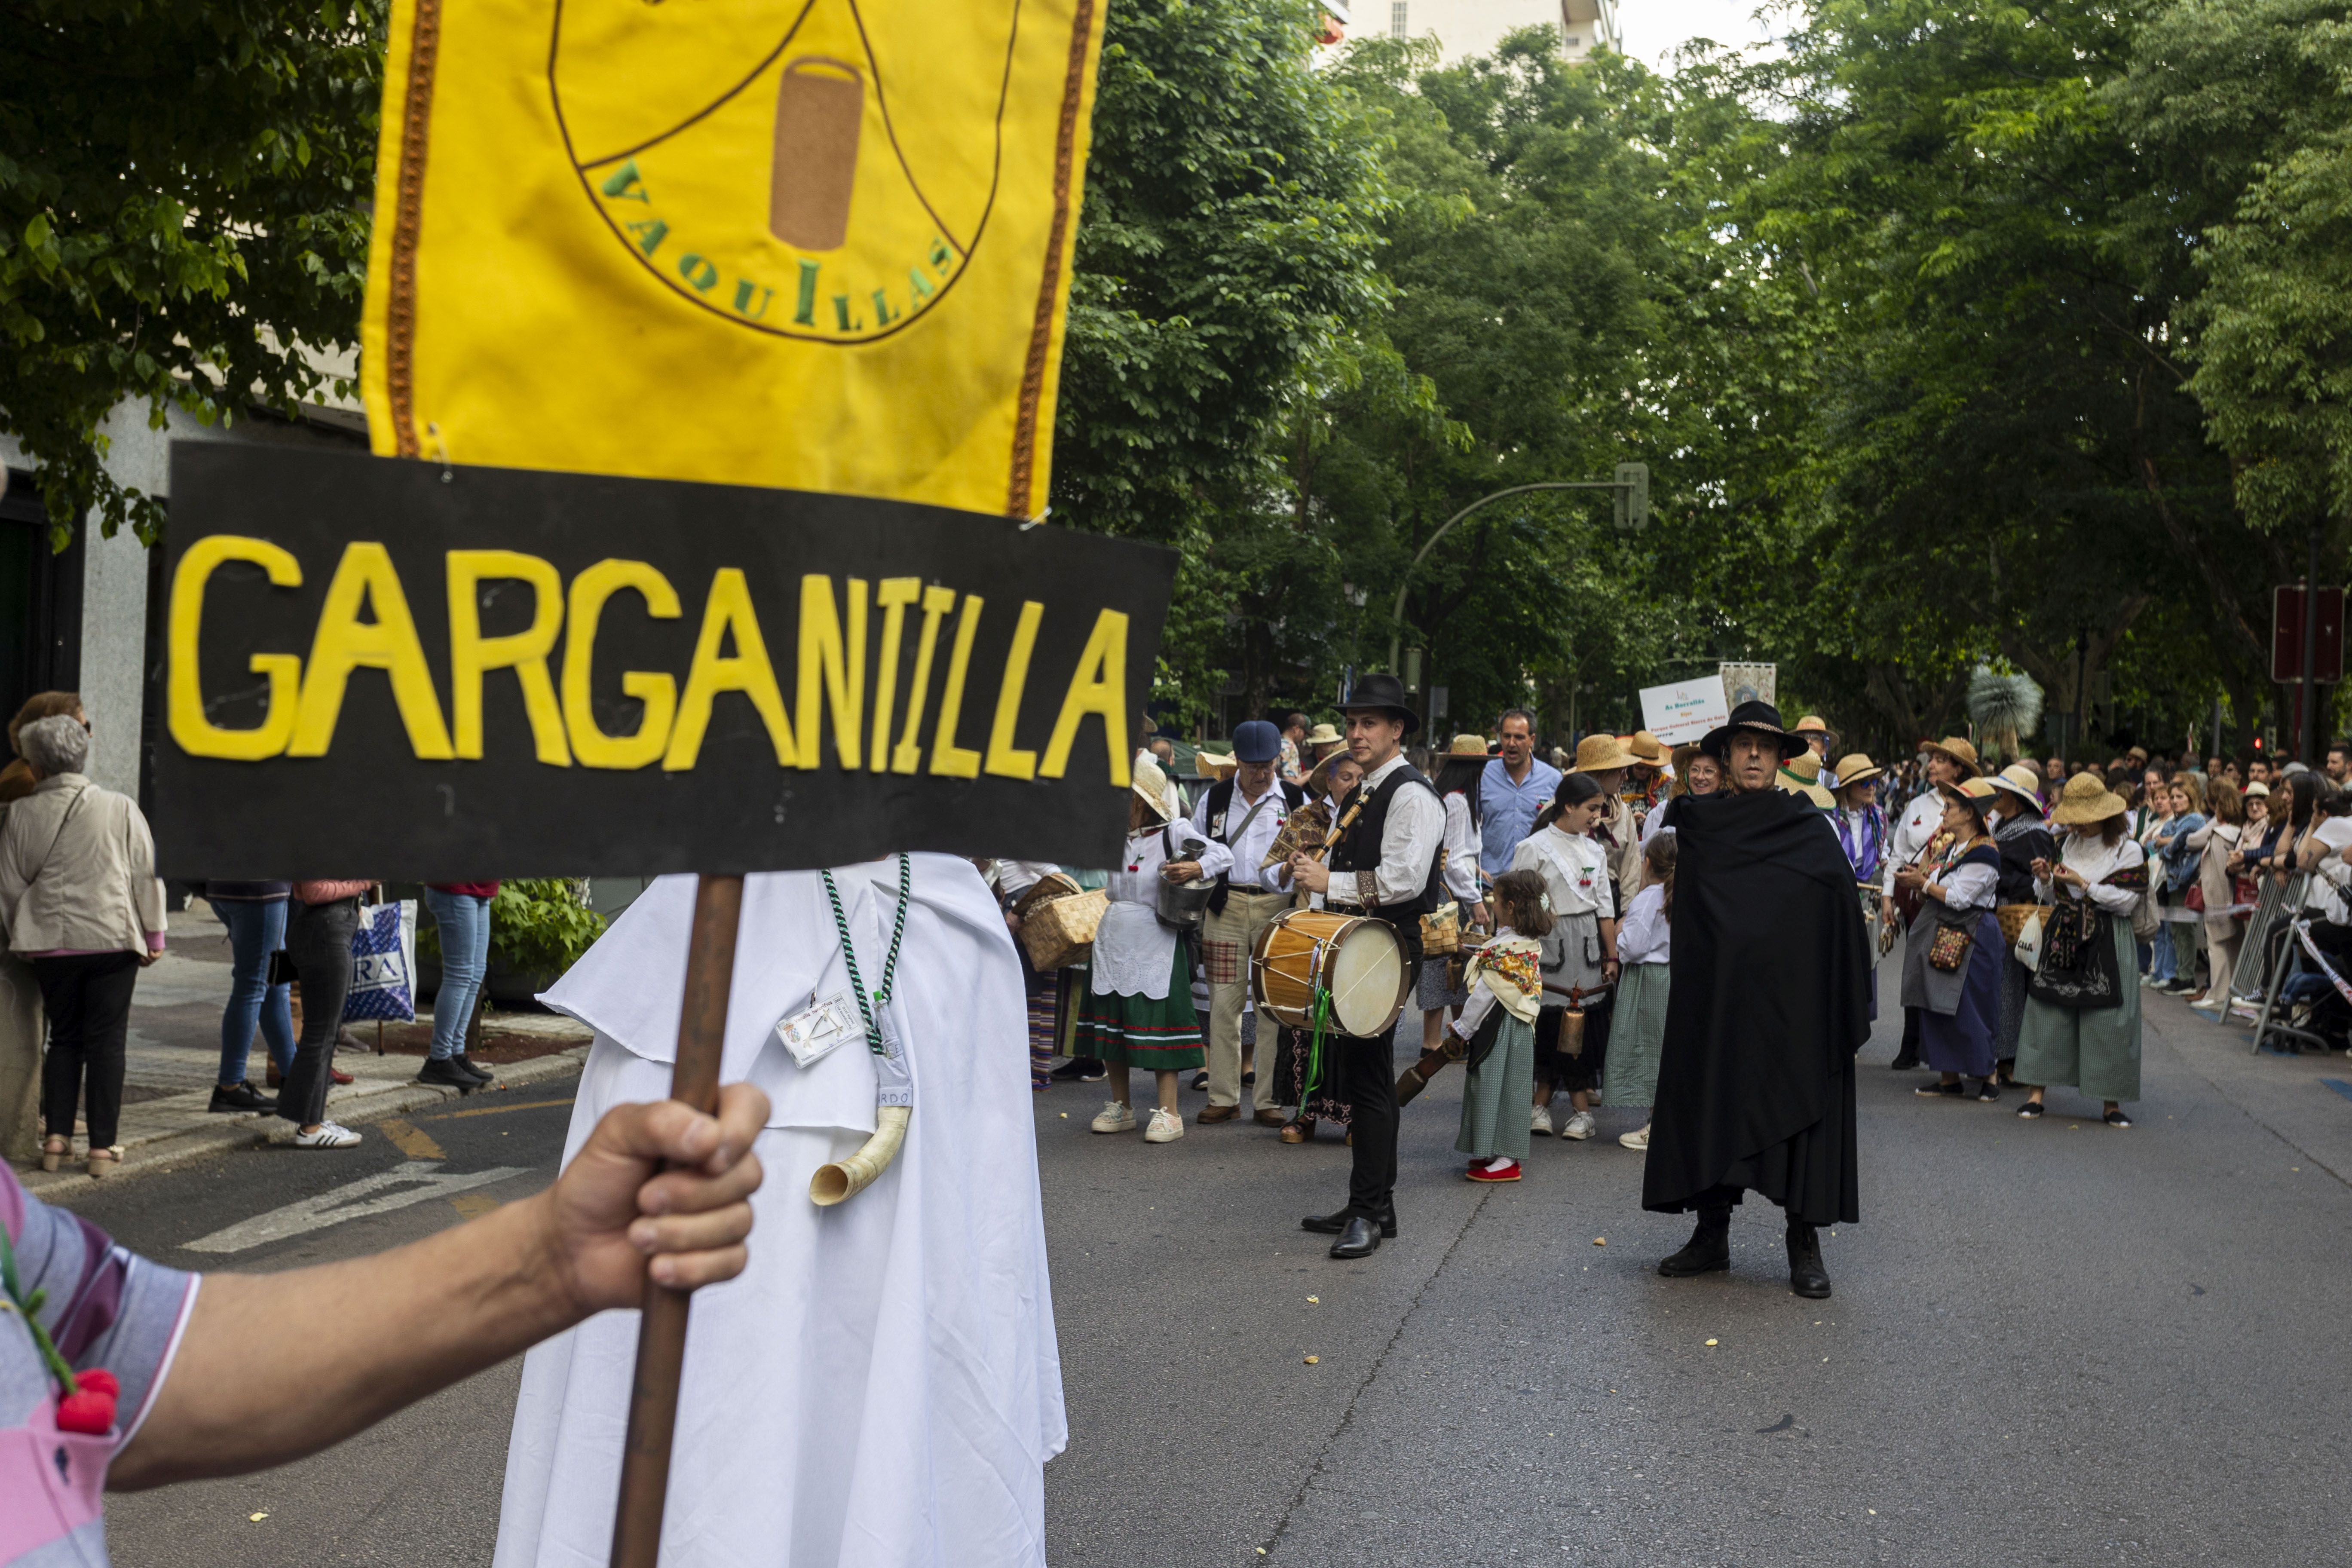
465 922
255 929
2160 960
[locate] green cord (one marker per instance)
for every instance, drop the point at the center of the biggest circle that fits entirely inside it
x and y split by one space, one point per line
1315 1051
29 1308
889 966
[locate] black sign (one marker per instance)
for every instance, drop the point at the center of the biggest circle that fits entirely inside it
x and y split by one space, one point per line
389 668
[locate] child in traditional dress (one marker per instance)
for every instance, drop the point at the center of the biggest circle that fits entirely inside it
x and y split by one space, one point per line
1637 1028
1579 954
1137 1012
1498 1026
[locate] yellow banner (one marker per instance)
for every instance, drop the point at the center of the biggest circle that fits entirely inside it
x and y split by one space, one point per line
815 244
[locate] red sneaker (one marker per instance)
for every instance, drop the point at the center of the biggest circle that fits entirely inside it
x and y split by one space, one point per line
1510 1173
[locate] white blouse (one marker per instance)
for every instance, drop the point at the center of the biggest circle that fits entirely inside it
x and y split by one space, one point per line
1461 852
2096 859
1646 935
1134 955
1575 868
1966 886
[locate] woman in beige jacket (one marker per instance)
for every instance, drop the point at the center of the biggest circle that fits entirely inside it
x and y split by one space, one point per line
80 899
2225 824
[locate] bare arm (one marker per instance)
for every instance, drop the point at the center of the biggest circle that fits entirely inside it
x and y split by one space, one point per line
368 1336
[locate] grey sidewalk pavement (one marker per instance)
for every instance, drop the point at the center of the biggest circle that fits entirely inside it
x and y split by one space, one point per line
173 1058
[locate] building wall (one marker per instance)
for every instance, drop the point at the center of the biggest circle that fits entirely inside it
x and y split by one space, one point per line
1467 27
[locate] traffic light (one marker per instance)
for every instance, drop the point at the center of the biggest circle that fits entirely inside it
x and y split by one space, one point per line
1632 496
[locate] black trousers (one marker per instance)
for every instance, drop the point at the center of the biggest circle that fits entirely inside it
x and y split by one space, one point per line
1371 1068
87 996
319 940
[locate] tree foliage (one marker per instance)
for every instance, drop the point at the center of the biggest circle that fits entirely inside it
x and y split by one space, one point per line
183 218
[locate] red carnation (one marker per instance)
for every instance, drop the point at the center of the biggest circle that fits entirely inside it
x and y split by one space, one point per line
90 1409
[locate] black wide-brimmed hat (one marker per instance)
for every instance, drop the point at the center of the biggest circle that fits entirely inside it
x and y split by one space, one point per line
1384 693
1760 717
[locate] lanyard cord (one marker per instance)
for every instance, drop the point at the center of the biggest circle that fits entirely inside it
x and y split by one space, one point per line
881 998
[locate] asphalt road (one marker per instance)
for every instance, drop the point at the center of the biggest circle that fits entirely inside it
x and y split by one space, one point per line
2050 1343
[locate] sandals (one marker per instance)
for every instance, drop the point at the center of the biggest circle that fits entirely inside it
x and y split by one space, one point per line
2031 1110
1298 1133
105 1162
2116 1119
1989 1092
54 1152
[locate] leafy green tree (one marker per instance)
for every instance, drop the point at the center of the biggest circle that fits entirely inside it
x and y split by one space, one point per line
185 188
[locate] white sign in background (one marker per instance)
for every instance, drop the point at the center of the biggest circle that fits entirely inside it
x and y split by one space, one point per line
1684 710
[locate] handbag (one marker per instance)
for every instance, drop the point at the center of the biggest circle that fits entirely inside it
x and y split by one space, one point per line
2027 947
2078 962
383 964
2196 898
1441 930
1948 949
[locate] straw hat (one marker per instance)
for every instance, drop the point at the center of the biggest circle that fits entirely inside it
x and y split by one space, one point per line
1598 753
1152 784
1813 724
1324 735
1975 793
1806 764
2018 779
1647 749
1853 768
1958 748
1467 746
1214 765
2085 800
1822 799
2257 787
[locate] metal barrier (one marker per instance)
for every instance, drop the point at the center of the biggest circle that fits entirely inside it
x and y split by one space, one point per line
2253 953
2282 964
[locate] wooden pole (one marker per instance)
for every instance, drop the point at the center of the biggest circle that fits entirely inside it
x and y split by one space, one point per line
661 1331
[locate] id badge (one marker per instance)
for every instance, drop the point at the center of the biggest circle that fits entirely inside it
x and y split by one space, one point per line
815 1031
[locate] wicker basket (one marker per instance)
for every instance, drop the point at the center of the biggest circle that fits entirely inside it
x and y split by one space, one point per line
2012 918
1060 932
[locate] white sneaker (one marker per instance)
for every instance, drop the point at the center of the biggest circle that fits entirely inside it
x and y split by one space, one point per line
1539 1120
1637 1139
2213 1003
1115 1117
329 1135
1166 1127
1578 1126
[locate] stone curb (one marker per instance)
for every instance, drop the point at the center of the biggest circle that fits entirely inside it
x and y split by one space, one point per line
226 1133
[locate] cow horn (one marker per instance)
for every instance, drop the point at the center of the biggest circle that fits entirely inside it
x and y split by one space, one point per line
845 1179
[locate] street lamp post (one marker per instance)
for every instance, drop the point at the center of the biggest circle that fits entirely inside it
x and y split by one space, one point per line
1631 485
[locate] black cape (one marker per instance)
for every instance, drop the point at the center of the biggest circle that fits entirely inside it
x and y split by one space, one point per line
1769 1001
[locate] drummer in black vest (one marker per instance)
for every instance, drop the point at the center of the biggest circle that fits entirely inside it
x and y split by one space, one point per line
1384 866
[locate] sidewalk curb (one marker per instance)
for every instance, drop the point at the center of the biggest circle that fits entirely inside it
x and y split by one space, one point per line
252 1132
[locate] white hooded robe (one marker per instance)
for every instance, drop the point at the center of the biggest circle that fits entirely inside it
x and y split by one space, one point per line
881 1388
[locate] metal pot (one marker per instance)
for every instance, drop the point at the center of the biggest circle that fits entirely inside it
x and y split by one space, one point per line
1183 905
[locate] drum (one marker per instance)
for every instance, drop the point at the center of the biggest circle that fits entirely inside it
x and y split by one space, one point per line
1356 958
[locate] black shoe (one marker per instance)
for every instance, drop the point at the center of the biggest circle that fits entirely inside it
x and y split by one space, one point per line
1249 1080
449 1073
1904 1062
1710 1247
239 1096
1954 1089
481 1074
1200 1081
1081 1069
1360 1240
1988 1091
1807 1278
1337 1224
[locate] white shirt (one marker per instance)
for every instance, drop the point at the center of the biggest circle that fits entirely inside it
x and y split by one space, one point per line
1575 869
1967 887
1461 851
1013 878
1134 955
1646 935
2335 832
1482 1002
2095 859
1240 860
1410 839
1920 820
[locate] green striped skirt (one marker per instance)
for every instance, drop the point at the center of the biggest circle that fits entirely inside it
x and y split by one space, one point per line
1637 1029
1156 1034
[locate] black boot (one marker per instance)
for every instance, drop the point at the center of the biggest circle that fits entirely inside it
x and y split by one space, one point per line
1807 1278
1710 1247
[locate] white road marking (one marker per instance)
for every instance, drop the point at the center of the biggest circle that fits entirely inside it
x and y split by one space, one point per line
417 1180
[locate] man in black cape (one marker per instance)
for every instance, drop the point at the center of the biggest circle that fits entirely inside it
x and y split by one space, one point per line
1769 1002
